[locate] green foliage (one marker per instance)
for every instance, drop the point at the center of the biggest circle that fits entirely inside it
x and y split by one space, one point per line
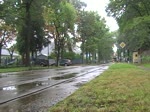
52 56
95 37
30 25
135 26
146 59
7 23
8 11
78 4
60 17
21 40
68 55
37 24
77 56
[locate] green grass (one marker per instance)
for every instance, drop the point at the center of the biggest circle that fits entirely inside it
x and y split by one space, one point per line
19 69
147 65
122 88
122 66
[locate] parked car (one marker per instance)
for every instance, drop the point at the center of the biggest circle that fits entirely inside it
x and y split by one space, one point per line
52 62
65 62
11 62
41 62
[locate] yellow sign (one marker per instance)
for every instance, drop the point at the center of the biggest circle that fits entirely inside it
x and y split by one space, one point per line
135 57
122 44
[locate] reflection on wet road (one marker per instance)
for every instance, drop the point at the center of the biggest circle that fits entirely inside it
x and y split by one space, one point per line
35 91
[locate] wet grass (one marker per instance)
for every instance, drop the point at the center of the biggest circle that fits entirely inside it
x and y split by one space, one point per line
122 88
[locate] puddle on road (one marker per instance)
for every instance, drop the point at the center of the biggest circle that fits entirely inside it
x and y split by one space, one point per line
25 87
28 86
67 76
3 75
61 73
9 88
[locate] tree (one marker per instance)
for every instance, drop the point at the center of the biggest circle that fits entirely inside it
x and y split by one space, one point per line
85 28
60 17
94 37
30 29
135 26
11 50
91 30
7 34
7 24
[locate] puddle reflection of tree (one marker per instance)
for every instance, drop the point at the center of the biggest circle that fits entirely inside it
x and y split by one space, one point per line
67 76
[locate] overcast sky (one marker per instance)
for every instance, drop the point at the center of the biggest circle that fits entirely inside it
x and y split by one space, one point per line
99 6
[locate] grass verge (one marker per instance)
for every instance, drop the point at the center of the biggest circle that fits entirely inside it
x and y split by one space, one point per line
147 65
19 69
122 88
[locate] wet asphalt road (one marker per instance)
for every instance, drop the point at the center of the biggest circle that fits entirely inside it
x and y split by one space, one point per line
36 91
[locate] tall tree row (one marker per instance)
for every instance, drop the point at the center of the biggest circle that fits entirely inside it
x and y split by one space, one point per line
95 37
35 23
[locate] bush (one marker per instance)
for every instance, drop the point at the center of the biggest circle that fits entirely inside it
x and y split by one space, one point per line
71 55
146 59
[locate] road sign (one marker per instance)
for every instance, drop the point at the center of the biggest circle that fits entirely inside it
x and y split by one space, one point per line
122 44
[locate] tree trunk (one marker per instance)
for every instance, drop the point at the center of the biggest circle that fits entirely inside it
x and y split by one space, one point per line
58 53
99 57
23 59
11 57
83 51
28 27
62 48
57 49
86 55
89 60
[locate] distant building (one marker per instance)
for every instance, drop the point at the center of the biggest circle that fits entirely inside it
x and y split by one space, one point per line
42 56
5 56
5 53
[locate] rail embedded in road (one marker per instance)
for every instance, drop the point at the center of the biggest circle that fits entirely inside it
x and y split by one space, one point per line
77 75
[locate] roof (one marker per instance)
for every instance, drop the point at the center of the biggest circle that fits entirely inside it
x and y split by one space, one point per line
42 56
5 52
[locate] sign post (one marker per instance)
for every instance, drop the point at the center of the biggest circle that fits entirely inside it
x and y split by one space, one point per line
122 45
